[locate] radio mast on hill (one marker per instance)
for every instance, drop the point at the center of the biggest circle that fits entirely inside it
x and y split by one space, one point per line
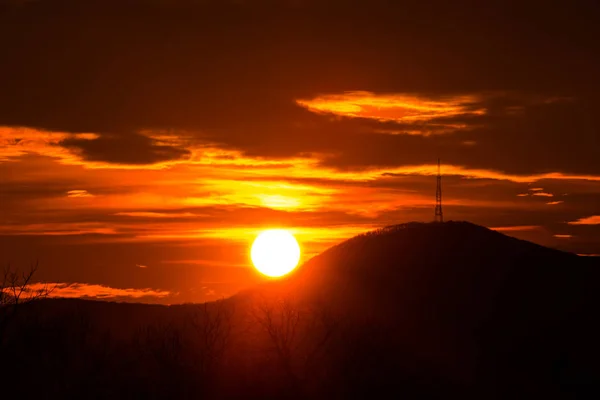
439 216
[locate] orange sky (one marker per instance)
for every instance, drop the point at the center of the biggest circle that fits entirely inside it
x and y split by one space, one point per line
130 177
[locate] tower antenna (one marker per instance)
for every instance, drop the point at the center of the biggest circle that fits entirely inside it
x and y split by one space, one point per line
439 215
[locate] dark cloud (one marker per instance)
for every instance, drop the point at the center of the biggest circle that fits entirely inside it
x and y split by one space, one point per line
230 72
518 134
124 149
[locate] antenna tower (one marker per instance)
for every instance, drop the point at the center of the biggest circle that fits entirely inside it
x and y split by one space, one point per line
439 216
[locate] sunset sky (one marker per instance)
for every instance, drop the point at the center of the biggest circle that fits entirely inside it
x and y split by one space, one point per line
145 143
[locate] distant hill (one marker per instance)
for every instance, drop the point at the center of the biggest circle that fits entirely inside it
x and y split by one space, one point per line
483 306
425 310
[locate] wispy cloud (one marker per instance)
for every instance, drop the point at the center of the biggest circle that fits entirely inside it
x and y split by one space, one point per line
58 229
151 214
563 236
516 228
86 290
538 192
19 141
431 169
81 148
553 203
221 166
543 194
592 220
402 108
79 193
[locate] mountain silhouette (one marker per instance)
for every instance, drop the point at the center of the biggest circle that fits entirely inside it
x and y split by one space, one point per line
485 309
420 310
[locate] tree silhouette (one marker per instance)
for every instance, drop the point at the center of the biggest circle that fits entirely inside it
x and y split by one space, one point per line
16 290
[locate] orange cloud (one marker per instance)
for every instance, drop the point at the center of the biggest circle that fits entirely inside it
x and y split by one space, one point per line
20 141
276 194
223 179
431 169
553 203
227 167
156 203
15 142
79 193
516 228
593 220
58 229
394 107
150 214
560 236
543 194
76 290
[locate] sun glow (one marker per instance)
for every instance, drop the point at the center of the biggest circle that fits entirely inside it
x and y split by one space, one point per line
275 252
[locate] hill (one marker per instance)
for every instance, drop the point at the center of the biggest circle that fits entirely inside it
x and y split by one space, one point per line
422 310
481 308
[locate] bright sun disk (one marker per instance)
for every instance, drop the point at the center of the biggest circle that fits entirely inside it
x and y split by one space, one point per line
275 252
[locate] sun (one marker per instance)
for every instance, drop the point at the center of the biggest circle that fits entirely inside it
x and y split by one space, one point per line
275 252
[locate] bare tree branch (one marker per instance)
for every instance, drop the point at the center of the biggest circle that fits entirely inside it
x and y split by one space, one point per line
212 323
15 290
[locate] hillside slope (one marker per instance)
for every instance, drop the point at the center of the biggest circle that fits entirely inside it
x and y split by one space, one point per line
479 306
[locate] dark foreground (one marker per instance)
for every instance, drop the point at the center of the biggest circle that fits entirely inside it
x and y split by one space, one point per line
485 316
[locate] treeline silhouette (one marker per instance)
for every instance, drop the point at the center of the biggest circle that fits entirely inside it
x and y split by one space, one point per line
414 311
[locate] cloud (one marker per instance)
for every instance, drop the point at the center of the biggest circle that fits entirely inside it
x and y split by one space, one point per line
538 192
561 236
132 148
592 220
543 194
79 193
236 163
92 291
239 192
431 169
553 203
515 228
94 149
386 95
402 108
152 214
19 141
57 229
